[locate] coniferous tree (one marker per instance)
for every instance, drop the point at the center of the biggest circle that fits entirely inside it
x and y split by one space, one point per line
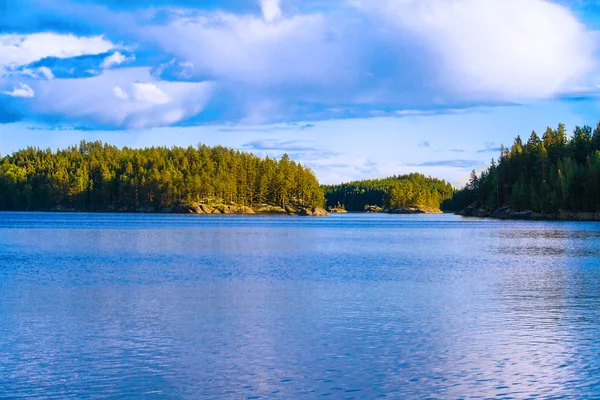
545 175
412 190
95 176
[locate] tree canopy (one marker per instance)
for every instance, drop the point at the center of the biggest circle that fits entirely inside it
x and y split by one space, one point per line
93 176
544 175
403 191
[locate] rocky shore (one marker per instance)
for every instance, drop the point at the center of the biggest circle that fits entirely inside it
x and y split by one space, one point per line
220 209
408 210
337 210
510 213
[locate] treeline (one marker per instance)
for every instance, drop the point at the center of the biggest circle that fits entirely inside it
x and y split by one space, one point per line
545 175
403 191
95 176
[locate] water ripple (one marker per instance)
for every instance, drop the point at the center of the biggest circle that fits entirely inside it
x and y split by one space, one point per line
353 306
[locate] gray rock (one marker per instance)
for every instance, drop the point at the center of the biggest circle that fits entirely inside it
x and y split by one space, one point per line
206 209
291 209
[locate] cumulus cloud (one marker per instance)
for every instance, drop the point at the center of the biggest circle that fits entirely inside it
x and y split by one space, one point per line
271 9
120 93
506 50
114 59
17 50
46 72
402 58
429 54
149 93
246 49
37 73
104 99
22 91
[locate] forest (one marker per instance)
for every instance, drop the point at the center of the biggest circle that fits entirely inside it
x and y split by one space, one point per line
93 176
546 175
403 191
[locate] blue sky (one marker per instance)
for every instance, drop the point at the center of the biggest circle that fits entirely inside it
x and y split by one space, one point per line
353 88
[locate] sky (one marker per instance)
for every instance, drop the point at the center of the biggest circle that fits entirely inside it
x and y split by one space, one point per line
352 88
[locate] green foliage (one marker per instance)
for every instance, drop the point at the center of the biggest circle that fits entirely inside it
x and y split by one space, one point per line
394 192
98 177
545 175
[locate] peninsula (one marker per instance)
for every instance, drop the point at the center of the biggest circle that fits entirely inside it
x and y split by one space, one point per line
555 177
97 177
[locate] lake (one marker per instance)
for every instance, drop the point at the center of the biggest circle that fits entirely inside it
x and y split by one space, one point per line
350 306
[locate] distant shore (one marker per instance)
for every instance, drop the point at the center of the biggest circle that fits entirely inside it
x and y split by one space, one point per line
510 213
403 210
235 209
206 209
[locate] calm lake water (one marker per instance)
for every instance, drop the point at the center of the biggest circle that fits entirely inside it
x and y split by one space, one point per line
352 306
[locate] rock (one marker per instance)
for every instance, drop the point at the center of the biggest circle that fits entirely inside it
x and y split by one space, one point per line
413 210
291 209
373 209
503 213
206 209
319 212
313 212
337 211
526 215
182 209
216 211
225 210
266 209
233 209
475 210
246 210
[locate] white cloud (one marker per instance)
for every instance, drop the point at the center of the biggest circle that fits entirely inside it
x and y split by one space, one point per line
405 54
17 50
120 93
46 72
37 73
249 50
507 50
104 99
115 59
271 9
23 91
416 56
149 93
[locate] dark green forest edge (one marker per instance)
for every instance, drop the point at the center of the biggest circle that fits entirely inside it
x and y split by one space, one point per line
404 194
553 178
98 177
196 180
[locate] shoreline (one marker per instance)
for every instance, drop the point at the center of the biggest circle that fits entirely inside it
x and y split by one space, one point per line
508 213
235 209
257 214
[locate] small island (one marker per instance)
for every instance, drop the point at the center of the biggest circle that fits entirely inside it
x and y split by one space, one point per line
402 194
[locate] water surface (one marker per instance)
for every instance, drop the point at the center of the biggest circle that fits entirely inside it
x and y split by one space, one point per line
351 306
